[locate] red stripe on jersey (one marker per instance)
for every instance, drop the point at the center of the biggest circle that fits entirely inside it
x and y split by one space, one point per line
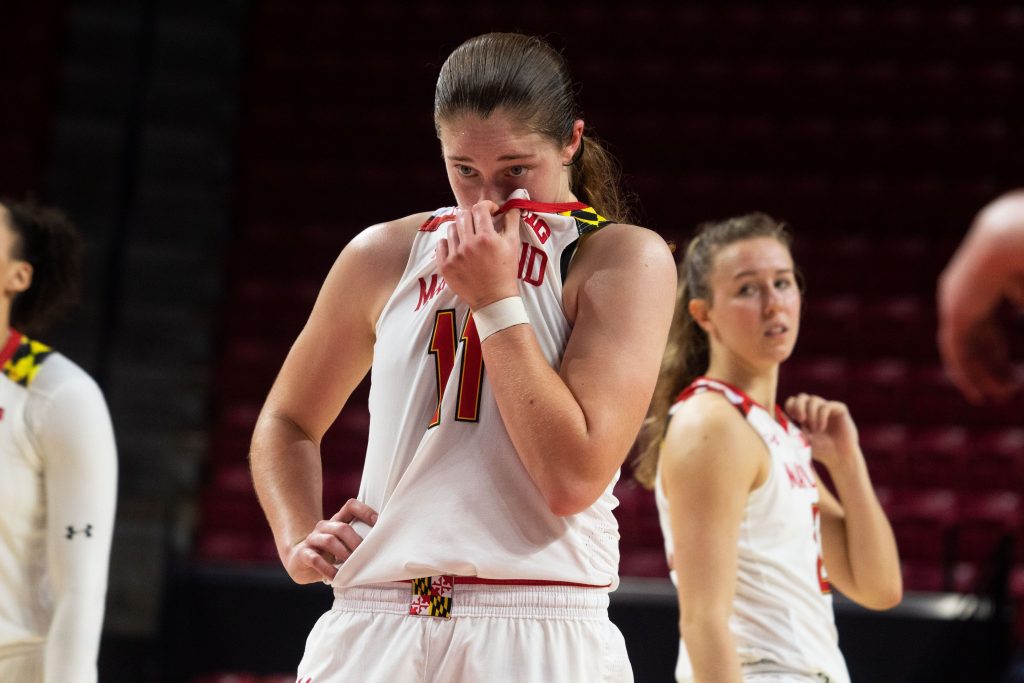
13 341
706 384
434 222
476 580
541 207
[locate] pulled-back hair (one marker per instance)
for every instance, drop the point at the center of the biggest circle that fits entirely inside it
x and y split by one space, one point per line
47 239
688 353
529 79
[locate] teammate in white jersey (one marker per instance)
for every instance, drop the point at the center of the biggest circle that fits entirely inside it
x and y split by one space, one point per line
514 341
58 467
752 538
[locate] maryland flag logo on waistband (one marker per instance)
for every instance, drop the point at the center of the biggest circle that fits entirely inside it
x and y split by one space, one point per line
587 220
432 597
25 361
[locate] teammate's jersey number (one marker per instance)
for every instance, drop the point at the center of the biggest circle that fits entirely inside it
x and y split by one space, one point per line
444 347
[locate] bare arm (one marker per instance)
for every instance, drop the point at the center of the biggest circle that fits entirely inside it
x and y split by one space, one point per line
986 269
858 545
572 428
328 360
710 462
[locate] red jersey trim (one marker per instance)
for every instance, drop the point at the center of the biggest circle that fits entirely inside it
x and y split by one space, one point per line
747 402
518 582
434 222
13 341
542 207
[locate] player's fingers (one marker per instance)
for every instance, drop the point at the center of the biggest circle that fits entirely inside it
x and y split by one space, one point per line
441 252
824 412
314 561
790 407
454 238
483 216
511 228
355 509
331 545
463 226
952 352
343 533
800 402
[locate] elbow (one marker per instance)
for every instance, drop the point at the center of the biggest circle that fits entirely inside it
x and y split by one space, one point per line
567 498
891 597
695 624
884 597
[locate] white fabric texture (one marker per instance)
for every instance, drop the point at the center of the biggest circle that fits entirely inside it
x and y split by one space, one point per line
525 634
58 489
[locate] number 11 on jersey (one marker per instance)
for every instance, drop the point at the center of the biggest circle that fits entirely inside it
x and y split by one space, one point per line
444 347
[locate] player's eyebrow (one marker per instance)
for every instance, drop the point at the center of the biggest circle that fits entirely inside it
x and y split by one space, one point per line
503 157
745 273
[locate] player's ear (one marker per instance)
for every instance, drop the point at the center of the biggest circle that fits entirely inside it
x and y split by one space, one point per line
699 309
19 278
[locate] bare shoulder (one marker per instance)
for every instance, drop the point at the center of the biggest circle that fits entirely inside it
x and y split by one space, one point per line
622 243
386 245
365 274
622 265
708 437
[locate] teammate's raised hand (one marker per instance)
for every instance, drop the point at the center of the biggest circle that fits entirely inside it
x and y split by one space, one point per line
479 258
828 426
317 556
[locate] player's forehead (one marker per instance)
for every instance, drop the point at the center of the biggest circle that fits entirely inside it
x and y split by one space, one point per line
500 136
752 255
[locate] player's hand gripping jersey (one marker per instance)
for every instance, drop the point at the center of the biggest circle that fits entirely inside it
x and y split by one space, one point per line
453 497
58 486
782 611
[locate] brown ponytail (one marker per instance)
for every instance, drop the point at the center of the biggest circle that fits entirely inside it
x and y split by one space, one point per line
688 353
595 181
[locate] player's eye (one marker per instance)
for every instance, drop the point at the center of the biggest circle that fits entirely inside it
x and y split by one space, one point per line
517 171
463 170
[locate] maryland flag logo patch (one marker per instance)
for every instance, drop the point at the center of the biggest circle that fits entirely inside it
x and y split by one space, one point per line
432 597
587 220
24 363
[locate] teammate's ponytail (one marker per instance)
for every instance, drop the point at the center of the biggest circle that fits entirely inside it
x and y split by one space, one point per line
529 79
688 352
49 242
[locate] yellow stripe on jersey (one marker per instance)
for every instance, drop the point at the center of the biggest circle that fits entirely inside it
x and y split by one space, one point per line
24 364
587 220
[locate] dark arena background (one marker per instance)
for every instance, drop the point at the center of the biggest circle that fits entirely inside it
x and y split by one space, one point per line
219 153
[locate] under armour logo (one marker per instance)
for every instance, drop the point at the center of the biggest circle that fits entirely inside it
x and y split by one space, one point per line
72 531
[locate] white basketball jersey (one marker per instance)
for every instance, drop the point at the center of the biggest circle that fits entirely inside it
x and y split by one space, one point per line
58 486
782 610
452 494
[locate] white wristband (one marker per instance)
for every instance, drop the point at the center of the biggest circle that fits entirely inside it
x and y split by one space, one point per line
499 315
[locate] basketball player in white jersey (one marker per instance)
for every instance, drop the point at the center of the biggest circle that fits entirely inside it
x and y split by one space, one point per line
986 270
58 466
753 540
514 341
